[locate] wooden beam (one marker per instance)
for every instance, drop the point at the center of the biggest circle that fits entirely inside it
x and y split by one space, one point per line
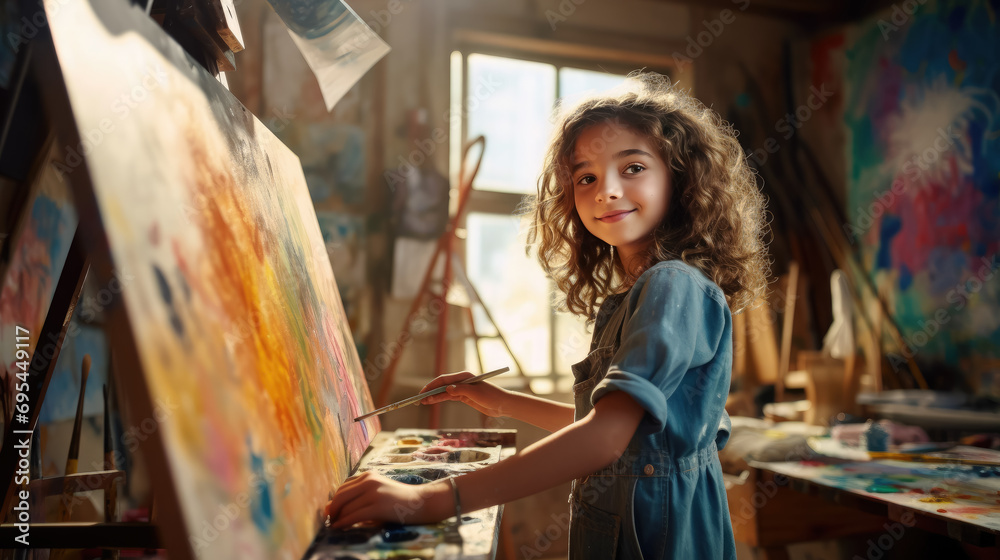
819 13
536 37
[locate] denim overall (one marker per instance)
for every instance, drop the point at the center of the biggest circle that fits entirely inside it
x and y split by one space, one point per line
668 343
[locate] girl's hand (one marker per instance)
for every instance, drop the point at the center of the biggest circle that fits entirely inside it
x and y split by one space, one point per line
371 497
483 396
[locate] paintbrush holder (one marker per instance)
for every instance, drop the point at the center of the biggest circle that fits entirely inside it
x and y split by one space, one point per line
824 386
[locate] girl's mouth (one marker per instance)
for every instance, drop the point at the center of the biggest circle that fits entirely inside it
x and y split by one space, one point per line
615 216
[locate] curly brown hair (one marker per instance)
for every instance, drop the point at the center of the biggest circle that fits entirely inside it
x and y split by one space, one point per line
716 218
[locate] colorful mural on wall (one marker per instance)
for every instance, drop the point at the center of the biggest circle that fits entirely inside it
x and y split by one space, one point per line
923 150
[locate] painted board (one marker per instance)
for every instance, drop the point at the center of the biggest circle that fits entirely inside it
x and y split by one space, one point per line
955 492
241 347
924 177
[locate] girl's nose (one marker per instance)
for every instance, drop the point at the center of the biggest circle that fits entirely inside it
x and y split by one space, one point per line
609 190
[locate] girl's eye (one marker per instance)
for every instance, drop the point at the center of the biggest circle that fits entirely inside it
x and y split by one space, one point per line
633 168
585 180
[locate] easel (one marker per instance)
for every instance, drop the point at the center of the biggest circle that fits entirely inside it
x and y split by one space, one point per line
209 31
446 247
109 534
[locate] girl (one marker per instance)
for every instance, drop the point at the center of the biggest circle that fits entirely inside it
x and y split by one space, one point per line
650 222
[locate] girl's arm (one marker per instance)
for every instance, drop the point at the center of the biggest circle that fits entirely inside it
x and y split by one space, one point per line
495 401
574 451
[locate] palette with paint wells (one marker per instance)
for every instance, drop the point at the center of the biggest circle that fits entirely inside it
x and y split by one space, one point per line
420 457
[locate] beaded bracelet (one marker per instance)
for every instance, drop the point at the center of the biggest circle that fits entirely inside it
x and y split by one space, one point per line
458 502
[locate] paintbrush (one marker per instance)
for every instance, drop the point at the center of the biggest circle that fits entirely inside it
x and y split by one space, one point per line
74 442
421 396
111 492
109 450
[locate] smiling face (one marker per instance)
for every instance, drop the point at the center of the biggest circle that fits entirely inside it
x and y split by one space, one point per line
621 186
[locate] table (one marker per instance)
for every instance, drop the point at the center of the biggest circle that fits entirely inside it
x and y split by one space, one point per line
961 501
769 514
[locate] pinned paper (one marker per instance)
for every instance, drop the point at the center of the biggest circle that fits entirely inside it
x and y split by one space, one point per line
337 44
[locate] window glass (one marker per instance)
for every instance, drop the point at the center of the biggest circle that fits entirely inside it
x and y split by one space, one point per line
510 102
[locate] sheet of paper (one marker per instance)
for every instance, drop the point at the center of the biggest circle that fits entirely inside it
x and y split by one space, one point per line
337 44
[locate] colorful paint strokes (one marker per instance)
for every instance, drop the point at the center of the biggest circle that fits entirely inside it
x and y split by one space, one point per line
242 340
924 175
956 491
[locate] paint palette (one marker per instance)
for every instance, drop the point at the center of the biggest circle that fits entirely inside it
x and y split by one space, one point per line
422 457
388 541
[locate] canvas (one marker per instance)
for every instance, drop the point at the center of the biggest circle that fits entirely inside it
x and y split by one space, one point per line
923 183
37 259
245 367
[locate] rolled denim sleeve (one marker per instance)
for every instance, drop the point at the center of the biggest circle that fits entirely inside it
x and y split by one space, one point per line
672 324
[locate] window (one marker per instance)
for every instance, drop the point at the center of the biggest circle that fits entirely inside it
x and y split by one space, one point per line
511 101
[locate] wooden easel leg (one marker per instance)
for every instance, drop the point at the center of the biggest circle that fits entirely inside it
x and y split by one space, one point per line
390 371
444 245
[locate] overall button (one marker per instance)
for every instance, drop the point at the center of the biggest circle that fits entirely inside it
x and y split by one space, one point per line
648 469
